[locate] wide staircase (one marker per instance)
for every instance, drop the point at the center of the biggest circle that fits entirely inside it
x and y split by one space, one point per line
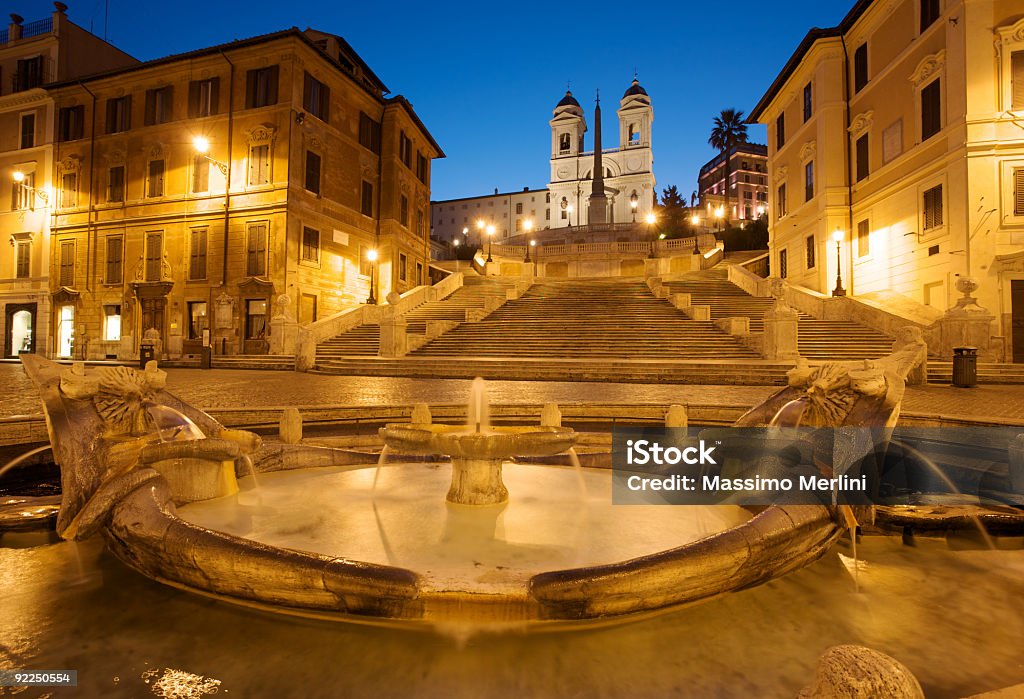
364 340
603 318
817 339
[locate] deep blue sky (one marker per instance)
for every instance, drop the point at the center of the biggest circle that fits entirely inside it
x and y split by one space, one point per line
484 77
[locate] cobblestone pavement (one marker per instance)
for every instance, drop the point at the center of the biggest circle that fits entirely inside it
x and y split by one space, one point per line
228 388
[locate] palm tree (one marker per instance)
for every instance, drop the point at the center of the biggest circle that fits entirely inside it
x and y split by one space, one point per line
728 131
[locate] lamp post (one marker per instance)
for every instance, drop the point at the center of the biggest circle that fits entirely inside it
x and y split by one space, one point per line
528 225
202 146
490 241
839 290
634 201
536 255
455 242
19 179
480 225
371 255
569 209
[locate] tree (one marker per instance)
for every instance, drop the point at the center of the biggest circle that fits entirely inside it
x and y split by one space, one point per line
729 130
672 212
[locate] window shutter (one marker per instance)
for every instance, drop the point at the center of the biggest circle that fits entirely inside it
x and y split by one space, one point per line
931 99
250 88
150 107
193 99
325 104
272 86
1017 79
111 111
214 95
1018 192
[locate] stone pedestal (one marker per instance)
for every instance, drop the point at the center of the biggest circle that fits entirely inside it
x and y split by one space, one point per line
781 331
283 335
677 417
290 428
393 339
967 325
477 482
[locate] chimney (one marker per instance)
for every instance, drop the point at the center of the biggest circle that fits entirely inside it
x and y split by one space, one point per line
14 28
59 17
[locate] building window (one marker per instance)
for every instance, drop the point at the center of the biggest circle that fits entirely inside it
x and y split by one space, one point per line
197 254
519 224
119 114
931 109
780 131
402 263
316 98
369 132
256 250
158 105
860 67
808 101
23 194
68 190
783 264
421 167
67 263
403 211
22 259
29 73
200 174
863 162
154 253
405 149
933 207
115 184
1017 81
310 245
863 238
28 130
419 223
70 123
519 207
809 181
198 319
811 251
203 97
112 323
564 143
312 181
929 13
255 319
419 273
366 201
261 87
115 255
1018 192
259 164
155 179
780 201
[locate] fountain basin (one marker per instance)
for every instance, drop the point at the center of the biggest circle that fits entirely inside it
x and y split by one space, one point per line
477 456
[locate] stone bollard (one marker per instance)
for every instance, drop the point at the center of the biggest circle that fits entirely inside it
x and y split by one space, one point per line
677 416
421 414
857 672
394 341
550 416
781 328
698 312
290 428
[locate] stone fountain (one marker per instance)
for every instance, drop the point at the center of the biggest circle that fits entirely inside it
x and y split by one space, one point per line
139 466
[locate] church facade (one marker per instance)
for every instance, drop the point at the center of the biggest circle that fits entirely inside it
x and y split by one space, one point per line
627 171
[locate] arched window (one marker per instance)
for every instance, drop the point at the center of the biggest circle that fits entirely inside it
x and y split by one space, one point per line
563 142
634 134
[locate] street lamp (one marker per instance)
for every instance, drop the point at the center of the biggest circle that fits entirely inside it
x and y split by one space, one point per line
839 290
371 255
490 241
569 209
19 179
528 225
650 222
634 201
202 146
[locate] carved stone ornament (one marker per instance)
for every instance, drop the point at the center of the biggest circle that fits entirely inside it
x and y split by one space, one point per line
71 163
262 134
1011 34
156 151
116 157
121 394
862 122
808 150
780 173
929 66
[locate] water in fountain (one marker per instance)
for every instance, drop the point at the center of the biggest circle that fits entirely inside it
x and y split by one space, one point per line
575 460
22 457
171 425
380 464
478 412
251 470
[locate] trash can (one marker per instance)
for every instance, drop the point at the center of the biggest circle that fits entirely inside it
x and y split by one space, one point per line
146 354
965 367
206 358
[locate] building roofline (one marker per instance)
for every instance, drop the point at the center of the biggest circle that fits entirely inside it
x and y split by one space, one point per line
488 196
753 149
407 105
813 36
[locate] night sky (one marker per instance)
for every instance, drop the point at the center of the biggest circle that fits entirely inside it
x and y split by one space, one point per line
484 77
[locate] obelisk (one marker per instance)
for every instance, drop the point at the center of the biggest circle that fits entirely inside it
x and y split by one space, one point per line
598 209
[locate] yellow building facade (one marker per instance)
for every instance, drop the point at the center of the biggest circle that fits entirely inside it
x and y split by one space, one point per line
33 54
286 142
896 159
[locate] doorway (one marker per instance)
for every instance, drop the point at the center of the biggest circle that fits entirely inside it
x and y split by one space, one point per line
307 309
256 327
20 337
1017 319
66 331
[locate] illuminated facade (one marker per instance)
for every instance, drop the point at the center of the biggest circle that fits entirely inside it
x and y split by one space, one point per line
748 179
903 130
287 142
31 55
